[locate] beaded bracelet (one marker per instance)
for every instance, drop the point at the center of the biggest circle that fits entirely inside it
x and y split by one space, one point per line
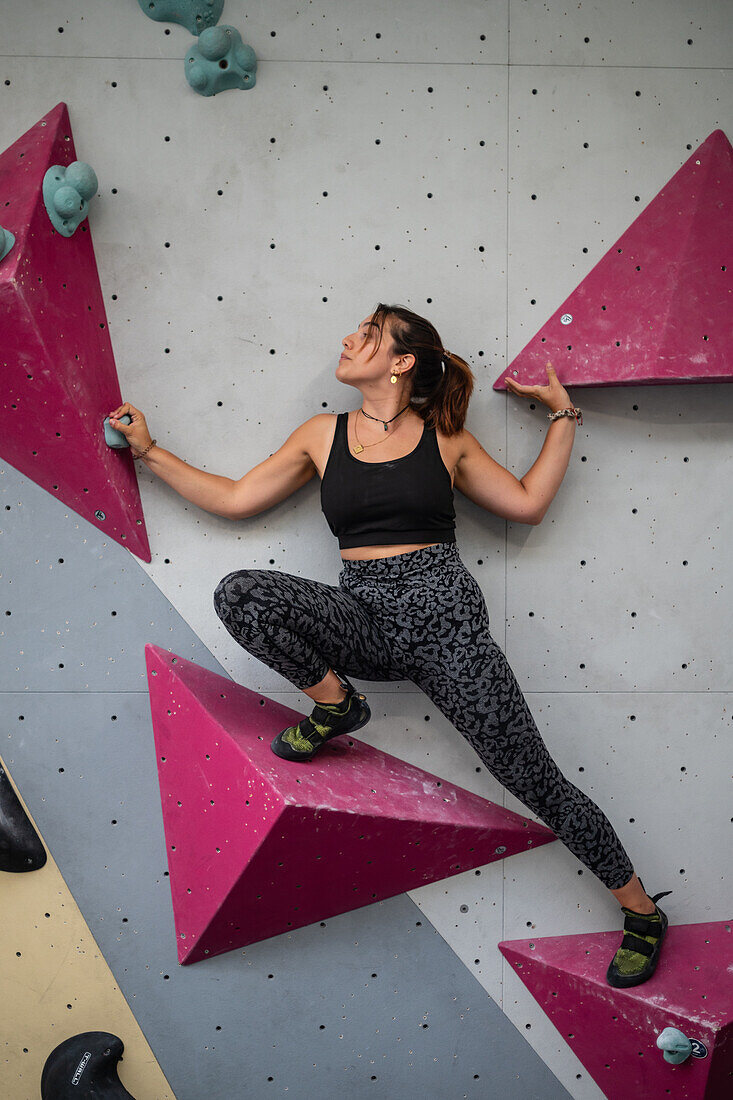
142 454
576 413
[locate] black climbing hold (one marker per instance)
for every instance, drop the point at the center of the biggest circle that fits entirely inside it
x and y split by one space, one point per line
84 1067
21 848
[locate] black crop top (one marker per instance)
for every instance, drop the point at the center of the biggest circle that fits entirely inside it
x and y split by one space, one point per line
408 499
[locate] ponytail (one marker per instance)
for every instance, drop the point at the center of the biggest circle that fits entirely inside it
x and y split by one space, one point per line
442 382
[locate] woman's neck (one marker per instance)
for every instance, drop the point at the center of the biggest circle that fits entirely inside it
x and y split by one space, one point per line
398 415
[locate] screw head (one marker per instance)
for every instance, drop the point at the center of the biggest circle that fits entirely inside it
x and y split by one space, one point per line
99 514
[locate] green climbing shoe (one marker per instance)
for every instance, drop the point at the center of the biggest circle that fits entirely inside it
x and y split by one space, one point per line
637 957
327 720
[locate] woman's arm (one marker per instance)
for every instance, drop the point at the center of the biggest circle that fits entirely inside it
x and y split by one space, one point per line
208 491
266 484
544 477
526 499
212 492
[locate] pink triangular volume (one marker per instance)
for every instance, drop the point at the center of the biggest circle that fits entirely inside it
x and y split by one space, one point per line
614 1031
58 379
258 846
657 307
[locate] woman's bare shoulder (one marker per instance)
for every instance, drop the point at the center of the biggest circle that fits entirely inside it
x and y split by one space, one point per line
320 425
318 433
454 445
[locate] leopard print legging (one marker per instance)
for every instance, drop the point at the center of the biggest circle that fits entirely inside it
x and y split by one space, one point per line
420 616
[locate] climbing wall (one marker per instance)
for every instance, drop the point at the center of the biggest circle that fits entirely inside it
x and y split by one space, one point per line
476 164
341 1000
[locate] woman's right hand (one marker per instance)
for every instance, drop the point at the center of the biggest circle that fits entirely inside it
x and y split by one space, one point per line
136 433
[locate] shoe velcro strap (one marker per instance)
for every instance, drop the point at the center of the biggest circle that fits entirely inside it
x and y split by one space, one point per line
320 714
642 924
633 943
308 732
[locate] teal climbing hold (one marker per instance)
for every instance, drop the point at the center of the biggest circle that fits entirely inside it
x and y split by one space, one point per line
194 15
676 1046
7 240
66 194
220 60
112 437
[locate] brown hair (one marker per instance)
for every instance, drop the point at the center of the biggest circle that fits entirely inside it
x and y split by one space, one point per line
440 396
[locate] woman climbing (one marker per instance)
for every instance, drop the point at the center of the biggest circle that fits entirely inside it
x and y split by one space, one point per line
406 607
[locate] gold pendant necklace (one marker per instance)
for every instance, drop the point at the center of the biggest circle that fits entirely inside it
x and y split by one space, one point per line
359 447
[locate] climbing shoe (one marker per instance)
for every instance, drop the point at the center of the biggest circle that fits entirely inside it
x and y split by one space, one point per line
327 720
637 957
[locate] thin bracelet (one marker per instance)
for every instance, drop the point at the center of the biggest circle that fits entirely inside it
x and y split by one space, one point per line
576 413
142 454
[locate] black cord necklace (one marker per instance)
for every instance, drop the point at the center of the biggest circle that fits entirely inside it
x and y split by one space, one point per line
385 422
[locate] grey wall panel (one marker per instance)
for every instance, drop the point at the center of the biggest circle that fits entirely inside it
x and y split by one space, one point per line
416 31
77 609
636 597
655 33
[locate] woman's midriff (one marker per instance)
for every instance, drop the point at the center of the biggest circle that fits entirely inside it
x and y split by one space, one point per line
369 553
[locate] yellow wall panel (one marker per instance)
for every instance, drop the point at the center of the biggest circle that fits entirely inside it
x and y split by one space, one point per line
55 983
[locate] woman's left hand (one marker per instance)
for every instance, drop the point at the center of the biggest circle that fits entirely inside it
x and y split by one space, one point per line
554 395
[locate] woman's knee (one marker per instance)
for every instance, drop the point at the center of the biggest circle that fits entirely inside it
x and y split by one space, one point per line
236 593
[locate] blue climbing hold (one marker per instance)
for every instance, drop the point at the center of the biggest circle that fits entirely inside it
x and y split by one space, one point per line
112 437
676 1046
194 15
66 194
219 61
7 240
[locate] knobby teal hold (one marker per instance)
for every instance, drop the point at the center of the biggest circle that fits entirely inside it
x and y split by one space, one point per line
112 437
219 61
676 1046
7 240
194 15
66 193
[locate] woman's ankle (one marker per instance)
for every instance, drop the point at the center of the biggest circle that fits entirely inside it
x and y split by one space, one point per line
332 702
329 690
632 895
